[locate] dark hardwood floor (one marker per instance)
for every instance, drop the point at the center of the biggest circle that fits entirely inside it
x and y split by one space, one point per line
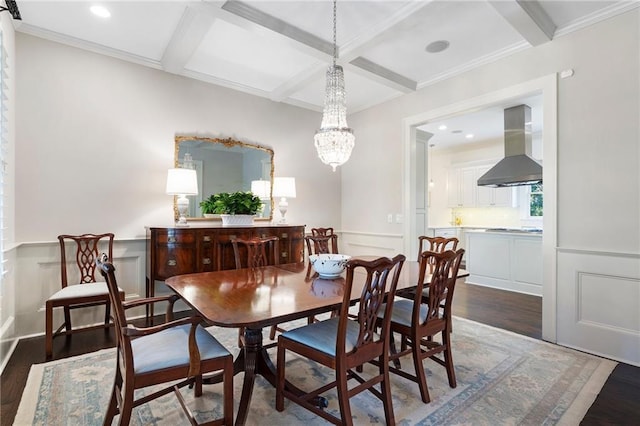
617 404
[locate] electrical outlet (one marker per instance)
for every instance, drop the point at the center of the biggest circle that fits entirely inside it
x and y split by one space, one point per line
399 218
390 218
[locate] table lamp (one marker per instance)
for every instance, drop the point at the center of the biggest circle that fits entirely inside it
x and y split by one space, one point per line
182 182
284 187
261 189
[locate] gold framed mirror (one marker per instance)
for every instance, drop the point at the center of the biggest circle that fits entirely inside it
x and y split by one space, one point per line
225 165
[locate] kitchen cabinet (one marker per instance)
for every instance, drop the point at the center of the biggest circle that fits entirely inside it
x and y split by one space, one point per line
505 260
493 197
176 251
461 187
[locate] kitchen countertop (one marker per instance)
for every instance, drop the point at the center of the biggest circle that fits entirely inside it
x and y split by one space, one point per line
528 232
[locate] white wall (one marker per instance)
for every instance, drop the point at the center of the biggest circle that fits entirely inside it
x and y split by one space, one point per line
95 137
598 188
8 279
598 135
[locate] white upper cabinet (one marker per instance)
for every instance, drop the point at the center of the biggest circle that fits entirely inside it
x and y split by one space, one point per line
493 197
463 189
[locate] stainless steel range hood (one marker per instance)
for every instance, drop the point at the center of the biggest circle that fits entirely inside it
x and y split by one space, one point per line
517 167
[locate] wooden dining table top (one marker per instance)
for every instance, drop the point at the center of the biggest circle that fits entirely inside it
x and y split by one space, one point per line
265 296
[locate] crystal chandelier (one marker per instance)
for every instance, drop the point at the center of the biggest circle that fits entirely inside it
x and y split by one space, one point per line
335 140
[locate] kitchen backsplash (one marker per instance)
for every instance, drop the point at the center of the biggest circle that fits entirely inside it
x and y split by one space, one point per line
489 217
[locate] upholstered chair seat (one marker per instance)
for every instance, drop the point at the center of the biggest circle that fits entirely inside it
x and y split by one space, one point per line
170 349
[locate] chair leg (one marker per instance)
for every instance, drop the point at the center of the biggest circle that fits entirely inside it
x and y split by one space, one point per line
393 350
343 398
272 333
419 368
112 410
127 405
67 318
197 389
280 362
48 330
386 392
448 358
227 375
107 317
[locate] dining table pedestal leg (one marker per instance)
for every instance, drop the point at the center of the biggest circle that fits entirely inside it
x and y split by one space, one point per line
252 360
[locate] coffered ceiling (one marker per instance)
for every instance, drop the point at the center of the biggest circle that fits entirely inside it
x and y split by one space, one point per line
280 49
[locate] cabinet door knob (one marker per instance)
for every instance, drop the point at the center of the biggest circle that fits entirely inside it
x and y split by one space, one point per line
206 238
172 262
171 240
206 261
284 235
284 254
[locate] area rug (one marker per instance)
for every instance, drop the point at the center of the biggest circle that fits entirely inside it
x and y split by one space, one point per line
503 379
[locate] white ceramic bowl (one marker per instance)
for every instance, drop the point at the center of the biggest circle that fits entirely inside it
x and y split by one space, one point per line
329 265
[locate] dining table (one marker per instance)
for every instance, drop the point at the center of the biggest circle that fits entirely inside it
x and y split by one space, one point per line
256 298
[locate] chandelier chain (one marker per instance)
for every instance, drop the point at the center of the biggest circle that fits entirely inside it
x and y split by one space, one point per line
335 43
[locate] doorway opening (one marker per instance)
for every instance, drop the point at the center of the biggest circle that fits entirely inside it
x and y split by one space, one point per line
546 87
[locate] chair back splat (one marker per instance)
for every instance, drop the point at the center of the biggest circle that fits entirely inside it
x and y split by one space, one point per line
344 344
255 251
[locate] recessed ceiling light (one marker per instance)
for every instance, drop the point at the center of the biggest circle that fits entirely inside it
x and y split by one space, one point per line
100 11
437 46
469 136
442 127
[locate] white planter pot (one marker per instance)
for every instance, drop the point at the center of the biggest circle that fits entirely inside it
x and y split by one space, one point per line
237 219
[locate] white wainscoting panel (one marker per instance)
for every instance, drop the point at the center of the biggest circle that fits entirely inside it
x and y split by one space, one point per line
366 244
599 303
38 276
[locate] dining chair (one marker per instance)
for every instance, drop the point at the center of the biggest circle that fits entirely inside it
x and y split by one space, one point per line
432 244
79 288
418 321
436 244
254 250
343 344
320 244
176 354
321 232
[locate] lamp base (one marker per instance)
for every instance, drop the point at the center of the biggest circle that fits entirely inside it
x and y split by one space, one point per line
182 222
283 206
183 206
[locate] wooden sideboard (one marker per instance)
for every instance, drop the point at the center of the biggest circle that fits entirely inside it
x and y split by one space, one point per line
176 251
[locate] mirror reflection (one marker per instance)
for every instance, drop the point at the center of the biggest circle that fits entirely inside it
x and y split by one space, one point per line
226 165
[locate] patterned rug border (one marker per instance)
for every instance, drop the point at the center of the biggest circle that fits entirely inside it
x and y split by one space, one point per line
572 416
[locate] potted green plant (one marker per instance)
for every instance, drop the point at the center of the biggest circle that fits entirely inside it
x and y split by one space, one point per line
235 208
208 206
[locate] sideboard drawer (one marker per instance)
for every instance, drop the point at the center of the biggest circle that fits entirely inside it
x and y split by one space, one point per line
175 236
172 260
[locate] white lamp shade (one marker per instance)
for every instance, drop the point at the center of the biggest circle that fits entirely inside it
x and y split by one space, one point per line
284 187
261 188
182 182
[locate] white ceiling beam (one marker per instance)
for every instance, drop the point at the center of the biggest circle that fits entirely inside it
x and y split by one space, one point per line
191 30
258 22
354 49
528 18
383 75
